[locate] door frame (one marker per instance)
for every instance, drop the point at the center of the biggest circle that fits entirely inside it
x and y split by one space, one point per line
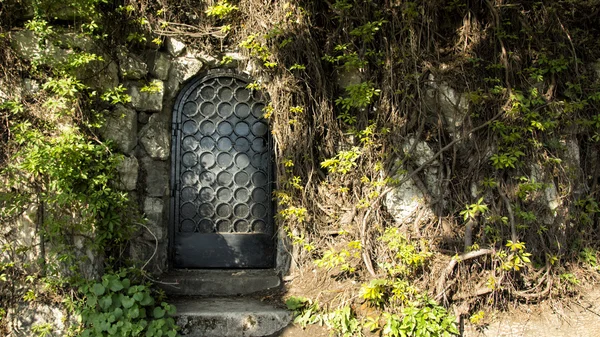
280 245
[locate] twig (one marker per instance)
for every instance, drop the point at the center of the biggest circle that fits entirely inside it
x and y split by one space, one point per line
363 238
511 216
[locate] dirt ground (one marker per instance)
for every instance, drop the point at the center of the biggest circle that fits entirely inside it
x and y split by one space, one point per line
574 317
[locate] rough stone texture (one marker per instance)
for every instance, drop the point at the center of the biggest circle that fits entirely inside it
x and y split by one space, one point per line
149 254
155 137
100 75
207 282
90 263
143 117
25 43
30 86
283 258
422 153
406 202
348 78
154 212
157 177
23 234
121 127
225 317
144 100
132 67
235 60
158 65
73 40
182 69
551 199
174 46
208 59
27 315
452 105
128 173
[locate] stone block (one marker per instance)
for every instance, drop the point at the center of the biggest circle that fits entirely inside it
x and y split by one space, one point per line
404 203
208 59
155 137
154 212
157 177
25 316
174 46
218 282
182 69
158 65
218 317
128 173
149 254
147 100
234 60
121 127
30 87
100 75
71 40
25 44
132 67
453 105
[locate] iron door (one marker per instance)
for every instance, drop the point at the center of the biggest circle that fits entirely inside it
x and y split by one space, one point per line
222 213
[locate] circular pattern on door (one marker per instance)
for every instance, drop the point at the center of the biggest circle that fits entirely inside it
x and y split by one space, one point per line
223 169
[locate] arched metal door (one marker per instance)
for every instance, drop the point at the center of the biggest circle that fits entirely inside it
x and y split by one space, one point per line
221 209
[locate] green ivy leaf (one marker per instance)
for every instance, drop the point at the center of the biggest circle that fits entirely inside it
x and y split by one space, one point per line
98 289
126 301
105 302
138 296
147 300
92 300
133 312
126 283
115 285
158 312
118 312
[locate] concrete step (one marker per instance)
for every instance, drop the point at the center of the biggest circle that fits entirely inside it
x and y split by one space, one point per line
229 317
208 282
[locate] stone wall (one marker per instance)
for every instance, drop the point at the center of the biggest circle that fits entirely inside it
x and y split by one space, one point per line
140 129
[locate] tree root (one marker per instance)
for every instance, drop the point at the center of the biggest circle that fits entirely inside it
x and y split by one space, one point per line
441 283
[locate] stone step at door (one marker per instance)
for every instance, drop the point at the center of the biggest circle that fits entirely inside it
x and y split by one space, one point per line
229 317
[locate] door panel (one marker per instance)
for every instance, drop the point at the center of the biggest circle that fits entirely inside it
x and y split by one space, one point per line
222 214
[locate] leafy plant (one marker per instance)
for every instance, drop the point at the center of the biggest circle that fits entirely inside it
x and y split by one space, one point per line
332 258
305 311
343 321
473 210
116 95
407 257
221 9
517 258
421 320
343 162
117 307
